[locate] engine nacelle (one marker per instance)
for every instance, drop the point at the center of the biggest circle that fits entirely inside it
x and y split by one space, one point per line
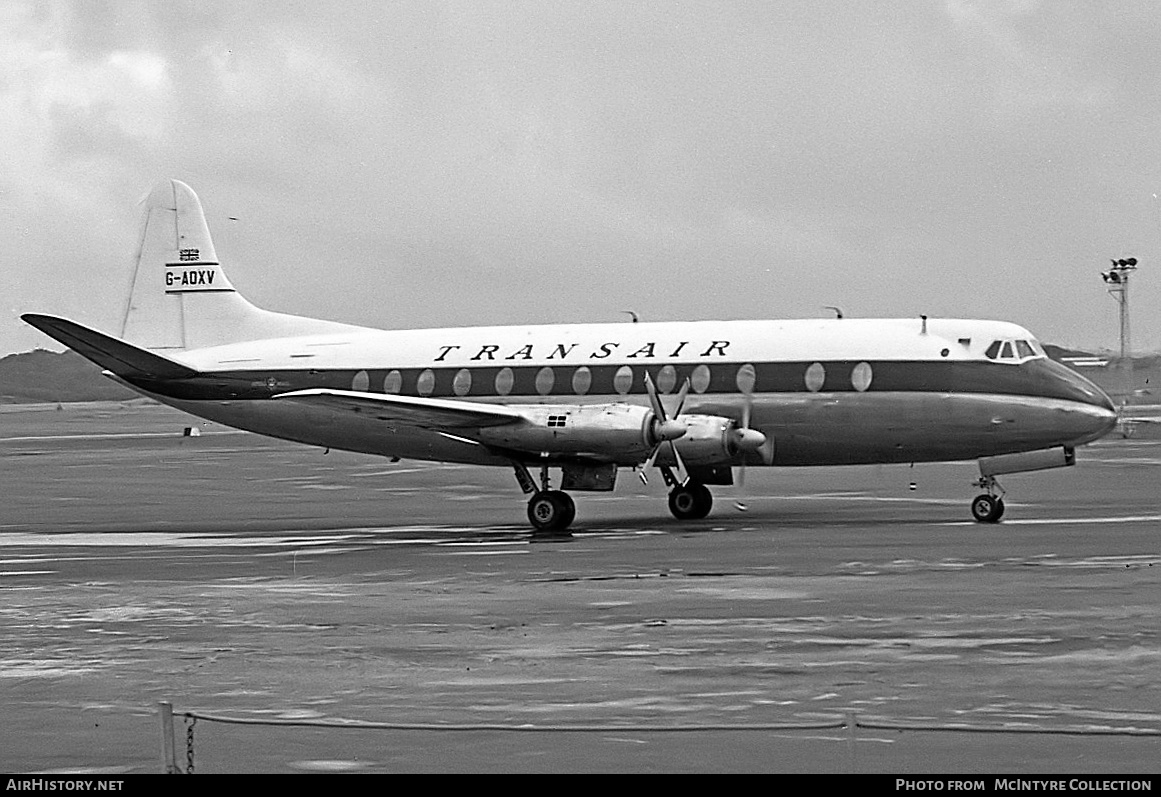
708 440
623 433
714 440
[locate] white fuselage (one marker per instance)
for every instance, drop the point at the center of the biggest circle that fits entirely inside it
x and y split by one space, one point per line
824 391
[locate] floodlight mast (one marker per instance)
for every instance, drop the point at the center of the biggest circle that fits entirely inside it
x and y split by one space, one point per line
1117 277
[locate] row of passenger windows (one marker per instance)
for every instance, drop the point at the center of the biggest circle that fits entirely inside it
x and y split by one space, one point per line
581 380
1013 350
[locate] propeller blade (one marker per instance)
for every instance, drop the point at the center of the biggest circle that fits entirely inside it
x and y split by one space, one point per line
681 398
663 427
654 400
677 458
740 489
745 438
652 456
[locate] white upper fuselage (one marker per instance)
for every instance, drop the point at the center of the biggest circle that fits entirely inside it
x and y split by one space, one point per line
623 343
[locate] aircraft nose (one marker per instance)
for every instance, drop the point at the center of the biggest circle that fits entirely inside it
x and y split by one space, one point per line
1061 381
1094 415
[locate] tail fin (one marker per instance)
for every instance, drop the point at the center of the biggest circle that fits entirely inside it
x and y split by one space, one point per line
181 297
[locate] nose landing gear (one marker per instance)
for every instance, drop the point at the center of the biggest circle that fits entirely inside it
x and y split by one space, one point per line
988 507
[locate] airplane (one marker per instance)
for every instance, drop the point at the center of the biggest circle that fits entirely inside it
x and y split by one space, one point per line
692 400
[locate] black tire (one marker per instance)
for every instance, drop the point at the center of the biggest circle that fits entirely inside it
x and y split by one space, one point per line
987 509
999 510
551 510
690 501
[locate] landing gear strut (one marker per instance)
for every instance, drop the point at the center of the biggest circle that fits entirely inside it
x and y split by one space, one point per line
548 510
988 507
690 501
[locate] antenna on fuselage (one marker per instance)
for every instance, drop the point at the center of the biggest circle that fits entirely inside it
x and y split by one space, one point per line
632 315
838 311
923 331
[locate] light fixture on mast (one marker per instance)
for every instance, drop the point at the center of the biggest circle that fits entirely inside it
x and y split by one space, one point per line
1117 277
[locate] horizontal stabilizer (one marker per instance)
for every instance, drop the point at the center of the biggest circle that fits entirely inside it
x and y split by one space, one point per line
410 410
123 359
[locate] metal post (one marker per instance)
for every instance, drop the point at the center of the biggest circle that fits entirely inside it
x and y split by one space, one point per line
168 750
1117 278
1125 344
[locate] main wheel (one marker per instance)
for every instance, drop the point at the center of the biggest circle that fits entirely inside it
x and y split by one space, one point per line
691 501
551 510
987 508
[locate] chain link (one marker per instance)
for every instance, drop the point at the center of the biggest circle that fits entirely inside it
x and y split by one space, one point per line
190 721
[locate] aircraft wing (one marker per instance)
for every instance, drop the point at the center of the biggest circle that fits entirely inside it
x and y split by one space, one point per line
426 413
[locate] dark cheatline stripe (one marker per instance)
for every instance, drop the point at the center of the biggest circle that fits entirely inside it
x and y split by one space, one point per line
1039 378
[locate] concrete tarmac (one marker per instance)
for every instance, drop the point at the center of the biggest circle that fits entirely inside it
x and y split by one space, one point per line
243 577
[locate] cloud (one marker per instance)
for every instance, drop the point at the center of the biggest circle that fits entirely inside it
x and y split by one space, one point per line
446 163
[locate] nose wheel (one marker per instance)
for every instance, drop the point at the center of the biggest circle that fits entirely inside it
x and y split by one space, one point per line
989 507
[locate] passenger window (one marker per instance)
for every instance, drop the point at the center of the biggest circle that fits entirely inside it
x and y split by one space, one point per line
815 377
393 382
462 384
505 379
1023 349
545 379
582 380
666 379
746 378
623 380
993 350
700 381
425 385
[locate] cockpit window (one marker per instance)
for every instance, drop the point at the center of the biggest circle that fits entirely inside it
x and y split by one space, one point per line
1019 350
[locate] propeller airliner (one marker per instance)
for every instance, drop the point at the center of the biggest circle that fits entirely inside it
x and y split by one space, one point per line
691 400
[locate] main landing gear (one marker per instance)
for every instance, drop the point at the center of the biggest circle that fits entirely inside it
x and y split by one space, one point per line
690 501
551 510
988 507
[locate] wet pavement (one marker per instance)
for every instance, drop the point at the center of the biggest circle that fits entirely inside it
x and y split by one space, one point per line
247 578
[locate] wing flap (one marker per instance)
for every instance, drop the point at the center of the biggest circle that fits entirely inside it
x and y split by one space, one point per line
421 412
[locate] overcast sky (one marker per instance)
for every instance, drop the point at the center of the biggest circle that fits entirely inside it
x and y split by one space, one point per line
403 164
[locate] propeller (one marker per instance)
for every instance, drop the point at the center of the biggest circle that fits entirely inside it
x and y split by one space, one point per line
743 439
664 430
